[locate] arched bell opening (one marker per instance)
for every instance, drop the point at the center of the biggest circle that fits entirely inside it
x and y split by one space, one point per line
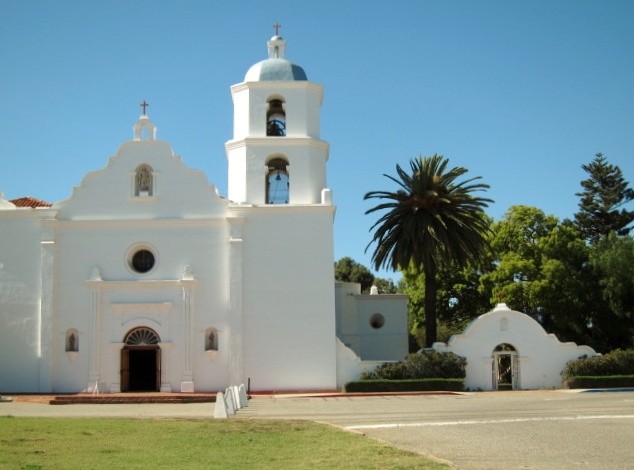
277 182
505 367
141 361
275 118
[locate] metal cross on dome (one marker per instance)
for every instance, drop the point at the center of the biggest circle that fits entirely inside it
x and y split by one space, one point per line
144 105
277 27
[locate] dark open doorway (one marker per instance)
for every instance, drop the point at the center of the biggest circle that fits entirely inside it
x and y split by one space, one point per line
141 362
143 373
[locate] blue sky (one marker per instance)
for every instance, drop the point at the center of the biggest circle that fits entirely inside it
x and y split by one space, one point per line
520 93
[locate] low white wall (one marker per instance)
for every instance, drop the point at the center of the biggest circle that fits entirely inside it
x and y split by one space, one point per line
350 366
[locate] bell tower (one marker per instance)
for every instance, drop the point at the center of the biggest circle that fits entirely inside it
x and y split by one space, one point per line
276 155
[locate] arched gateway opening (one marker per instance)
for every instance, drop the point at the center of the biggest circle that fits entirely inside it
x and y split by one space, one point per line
505 368
141 361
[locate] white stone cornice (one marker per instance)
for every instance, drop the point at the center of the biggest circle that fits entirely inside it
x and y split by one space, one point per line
282 209
278 142
139 223
141 307
290 85
138 285
42 213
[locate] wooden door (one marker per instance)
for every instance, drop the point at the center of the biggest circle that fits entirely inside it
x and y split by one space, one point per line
125 370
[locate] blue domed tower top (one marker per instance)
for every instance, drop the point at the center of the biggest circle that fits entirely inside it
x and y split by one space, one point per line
276 67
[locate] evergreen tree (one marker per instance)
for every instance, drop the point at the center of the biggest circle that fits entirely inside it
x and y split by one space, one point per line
604 194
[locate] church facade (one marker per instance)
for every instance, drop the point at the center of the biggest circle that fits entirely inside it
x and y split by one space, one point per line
147 279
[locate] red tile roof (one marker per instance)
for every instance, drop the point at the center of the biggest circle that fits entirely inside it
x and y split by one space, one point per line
29 201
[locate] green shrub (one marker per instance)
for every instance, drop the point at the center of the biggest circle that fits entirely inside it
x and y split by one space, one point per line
387 371
387 386
617 362
613 381
428 364
435 365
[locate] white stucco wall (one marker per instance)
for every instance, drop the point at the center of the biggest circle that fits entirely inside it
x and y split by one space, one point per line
541 356
288 299
20 297
350 366
357 328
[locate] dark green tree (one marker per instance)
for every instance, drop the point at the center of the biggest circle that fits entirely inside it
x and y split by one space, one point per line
433 220
348 270
542 270
612 259
459 299
604 194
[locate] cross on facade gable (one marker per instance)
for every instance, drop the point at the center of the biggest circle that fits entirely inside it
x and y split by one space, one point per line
277 27
144 105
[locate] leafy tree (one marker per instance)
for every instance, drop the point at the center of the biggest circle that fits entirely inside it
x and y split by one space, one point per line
543 271
459 299
612 259
604 194
432 221
348 270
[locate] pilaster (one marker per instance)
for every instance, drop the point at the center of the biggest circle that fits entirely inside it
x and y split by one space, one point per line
235 299
46 306
115 358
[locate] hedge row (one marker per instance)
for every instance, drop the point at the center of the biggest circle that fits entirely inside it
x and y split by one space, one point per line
617 362
427 364
613 381
419 385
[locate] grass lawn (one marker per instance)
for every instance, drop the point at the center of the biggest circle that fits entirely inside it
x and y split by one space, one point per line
66 443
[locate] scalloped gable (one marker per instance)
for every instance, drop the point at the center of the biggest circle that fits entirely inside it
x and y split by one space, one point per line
178 192
6 205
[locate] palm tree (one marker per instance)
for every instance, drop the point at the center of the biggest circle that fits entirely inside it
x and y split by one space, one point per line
432 221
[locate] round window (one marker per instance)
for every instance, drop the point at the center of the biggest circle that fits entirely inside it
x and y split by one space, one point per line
377 321
142 261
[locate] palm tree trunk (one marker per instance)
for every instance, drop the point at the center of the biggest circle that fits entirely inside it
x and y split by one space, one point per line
430 304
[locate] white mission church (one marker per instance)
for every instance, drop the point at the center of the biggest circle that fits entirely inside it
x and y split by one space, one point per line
146 279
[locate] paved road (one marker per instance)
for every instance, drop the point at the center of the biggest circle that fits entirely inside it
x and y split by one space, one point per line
475 431
513 430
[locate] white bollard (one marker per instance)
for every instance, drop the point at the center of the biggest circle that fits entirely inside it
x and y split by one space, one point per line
220 410
244 401
236 397
231 408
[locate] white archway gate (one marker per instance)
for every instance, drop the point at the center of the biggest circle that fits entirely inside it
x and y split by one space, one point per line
506 369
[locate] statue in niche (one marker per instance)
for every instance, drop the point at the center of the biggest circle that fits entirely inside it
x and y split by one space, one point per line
504 324
143 179
72 342
211 342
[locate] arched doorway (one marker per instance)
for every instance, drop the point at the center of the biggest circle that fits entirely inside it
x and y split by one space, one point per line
505 368
141 361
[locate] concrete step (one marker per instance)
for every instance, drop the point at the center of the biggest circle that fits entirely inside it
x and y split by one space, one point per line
126 398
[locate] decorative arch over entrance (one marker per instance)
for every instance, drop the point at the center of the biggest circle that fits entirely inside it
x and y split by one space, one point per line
141 361
505 367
